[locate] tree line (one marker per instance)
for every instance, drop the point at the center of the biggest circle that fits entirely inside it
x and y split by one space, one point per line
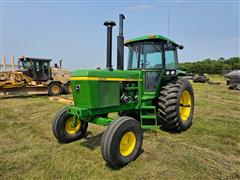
210 66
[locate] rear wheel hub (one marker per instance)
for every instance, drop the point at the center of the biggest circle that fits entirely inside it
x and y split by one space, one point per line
185 105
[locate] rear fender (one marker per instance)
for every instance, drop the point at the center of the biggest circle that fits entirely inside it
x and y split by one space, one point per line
50 82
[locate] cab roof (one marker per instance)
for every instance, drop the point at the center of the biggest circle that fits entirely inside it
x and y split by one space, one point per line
149 38
34 59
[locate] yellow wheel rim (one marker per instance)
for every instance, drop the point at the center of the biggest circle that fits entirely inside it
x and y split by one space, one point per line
185 105
70 129
127 143
55 89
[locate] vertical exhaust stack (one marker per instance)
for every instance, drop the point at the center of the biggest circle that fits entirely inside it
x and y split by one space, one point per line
120 44
109 25
60 63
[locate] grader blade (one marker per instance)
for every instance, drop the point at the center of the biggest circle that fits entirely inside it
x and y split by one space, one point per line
23 91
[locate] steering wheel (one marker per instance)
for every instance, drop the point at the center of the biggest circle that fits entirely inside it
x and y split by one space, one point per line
146 62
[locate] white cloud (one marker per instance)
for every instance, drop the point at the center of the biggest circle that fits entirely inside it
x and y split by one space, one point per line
140 8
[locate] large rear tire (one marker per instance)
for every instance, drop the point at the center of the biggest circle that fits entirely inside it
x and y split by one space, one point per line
121 142
64 131
176 106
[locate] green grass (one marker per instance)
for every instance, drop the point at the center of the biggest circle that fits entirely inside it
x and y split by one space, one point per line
209 149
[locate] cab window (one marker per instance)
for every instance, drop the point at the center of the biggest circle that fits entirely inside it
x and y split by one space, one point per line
170 59
151 56
133 56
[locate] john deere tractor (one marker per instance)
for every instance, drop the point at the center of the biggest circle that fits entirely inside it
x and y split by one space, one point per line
149 94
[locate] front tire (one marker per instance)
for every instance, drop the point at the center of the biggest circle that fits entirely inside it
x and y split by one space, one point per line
64 131
176 106
68 88
121 142
133 114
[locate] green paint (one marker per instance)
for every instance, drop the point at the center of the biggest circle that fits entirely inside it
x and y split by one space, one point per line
106 74
109 94
149 38
87 96
86 114
101 121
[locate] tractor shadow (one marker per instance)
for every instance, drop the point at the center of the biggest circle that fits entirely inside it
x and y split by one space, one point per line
165 129
118 168
92 142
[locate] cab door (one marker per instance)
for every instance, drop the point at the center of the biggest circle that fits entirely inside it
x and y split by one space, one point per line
151 62
46 71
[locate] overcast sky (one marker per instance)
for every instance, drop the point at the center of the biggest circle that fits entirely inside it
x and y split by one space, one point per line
74 31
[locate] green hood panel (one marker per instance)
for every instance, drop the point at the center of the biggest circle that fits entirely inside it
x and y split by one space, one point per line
100 88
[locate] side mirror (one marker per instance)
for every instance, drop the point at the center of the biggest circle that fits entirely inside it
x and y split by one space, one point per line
180 47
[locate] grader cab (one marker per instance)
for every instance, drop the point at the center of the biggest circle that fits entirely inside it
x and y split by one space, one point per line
37 69
149 94
35 76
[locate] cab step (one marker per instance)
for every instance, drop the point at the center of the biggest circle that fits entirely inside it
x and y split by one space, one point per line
148 117
148 107
149 127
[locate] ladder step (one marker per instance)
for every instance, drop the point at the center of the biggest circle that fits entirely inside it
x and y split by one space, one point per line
149 126
148 117
148 107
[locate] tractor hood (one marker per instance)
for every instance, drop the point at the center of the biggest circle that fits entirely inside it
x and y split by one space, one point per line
100 88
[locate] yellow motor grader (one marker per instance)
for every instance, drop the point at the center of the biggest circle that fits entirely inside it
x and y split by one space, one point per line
34 76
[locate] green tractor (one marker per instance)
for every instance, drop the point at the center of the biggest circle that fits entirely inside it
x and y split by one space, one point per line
149 94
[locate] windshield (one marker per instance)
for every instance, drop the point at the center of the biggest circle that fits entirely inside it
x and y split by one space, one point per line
170 57
150 56
23 64
133 56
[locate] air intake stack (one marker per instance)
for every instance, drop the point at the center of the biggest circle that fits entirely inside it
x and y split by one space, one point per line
109 25
120 44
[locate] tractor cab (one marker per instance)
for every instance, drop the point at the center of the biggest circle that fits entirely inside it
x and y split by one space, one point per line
155 55
36 68
152 52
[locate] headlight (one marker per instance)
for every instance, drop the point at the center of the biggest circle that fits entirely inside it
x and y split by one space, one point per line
172 72
77 87
167 72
